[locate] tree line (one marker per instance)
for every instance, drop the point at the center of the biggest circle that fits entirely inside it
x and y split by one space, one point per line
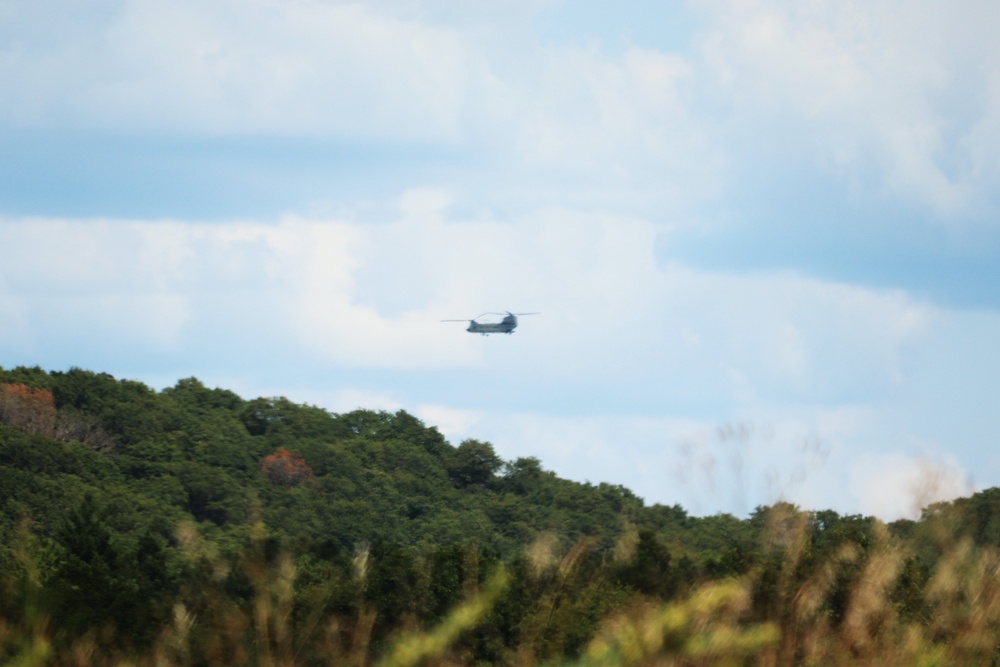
193 526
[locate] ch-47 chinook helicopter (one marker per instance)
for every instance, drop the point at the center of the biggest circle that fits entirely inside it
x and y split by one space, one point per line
506 325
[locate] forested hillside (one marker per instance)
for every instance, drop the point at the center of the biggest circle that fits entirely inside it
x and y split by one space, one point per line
194 526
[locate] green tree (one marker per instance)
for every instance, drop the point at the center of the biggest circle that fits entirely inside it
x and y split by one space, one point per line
648 571
87 580
473 463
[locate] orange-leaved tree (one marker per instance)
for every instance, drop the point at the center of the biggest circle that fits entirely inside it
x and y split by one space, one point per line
285 468
31 410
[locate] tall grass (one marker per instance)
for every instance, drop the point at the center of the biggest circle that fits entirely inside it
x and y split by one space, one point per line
863 604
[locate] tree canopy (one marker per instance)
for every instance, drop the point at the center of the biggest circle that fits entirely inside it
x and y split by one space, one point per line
121 503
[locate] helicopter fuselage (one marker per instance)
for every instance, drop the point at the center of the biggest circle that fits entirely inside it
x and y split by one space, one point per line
506 325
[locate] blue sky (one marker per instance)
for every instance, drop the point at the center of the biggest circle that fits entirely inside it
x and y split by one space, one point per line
763 236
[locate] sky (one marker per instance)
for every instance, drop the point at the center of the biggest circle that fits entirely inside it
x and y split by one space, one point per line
762 236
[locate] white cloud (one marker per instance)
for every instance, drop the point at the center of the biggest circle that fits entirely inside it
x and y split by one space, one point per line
912 94
347 400
586 106
453 423
895 485
372 296
16 330
374 75
235 67
790 334
705 466
910 89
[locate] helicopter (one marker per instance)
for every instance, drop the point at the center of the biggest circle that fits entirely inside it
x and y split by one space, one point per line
506 325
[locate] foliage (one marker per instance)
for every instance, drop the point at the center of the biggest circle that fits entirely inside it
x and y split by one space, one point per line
474 463
176 527
285 469
31 410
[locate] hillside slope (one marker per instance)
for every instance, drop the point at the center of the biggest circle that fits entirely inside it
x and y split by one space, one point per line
123 505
